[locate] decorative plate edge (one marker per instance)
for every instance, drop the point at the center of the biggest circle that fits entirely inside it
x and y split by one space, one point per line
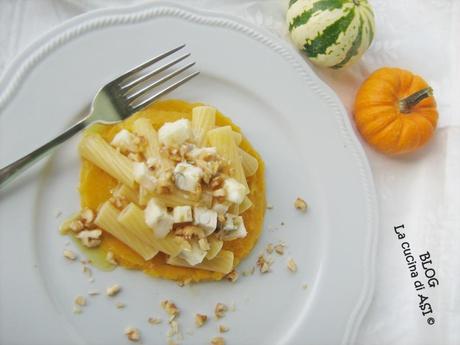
32 55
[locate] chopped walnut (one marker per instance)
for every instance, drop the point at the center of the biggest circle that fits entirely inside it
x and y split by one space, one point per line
113 290
223 329
90 238
76 226
80 301
232 276
173 328
263 264
133 334
110 258
217 341
220 310
165 182
291 265
300 204
279 249
269 248
120 305
170 308
216 182
87 216
154 321
200 319
68 254
269 207
190 231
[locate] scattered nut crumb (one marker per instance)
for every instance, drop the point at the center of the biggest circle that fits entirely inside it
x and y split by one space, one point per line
292 266
269 207
133 334
249 272
113 290
76 226
217 341
200 319
300 204
76 309
87 216
263 264
223 329
154 321
304 286
80 301
279 249
220 310
120 305
68 254
87 271
269 248
110 258
232 276
90 238
170 308
93 292
173 328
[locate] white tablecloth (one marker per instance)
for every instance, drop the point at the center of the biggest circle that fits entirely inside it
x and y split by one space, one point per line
422 190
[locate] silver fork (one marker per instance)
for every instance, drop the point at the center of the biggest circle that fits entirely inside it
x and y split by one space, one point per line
114 102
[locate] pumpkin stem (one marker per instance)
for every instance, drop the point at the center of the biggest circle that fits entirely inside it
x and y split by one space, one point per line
407 103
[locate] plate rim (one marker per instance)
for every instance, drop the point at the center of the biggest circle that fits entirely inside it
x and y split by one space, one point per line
15 72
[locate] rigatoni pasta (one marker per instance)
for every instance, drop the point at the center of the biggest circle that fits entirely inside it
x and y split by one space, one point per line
178 184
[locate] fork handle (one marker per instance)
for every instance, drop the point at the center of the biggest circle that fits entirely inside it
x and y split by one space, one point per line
12 170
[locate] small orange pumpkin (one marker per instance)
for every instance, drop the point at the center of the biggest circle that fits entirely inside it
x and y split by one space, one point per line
395 111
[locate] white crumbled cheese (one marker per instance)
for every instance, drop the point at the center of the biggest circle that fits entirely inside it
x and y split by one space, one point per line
175 133
182 214
194 254
143 176
205 219
203 152
234 191
234 228
158 218
221 208
187 177
125 141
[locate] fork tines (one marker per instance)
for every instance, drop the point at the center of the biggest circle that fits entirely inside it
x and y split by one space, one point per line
140 86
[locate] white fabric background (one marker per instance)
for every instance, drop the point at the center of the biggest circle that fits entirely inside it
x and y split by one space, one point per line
421 190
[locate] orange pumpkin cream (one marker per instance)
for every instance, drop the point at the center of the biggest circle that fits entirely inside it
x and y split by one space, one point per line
175 191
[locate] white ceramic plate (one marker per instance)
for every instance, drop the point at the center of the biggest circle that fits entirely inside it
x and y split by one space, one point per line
291 117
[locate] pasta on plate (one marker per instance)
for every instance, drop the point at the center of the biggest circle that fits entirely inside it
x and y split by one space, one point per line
175 190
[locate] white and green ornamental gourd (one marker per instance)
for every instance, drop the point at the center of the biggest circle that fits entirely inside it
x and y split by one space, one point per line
333 33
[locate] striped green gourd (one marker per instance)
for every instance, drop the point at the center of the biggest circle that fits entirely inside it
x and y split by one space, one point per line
333 33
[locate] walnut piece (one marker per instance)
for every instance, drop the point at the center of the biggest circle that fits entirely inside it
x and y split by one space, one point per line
68 254
190 231
170 308
279 249
90 238
80 301
110 258
154 321
76 226
263 264
200 319
232 276
223 329
291 265
113 290
133 334
87 216
220 310
300 204
217 341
